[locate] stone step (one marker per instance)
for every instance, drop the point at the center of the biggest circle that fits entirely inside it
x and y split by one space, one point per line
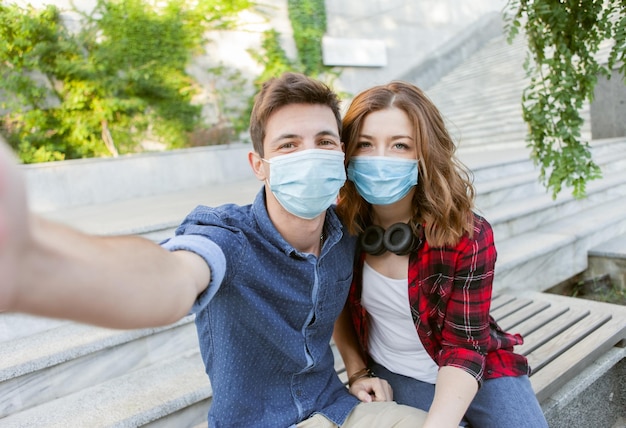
172 392
54 186
518 178
520 216
609 258
153 213
555 251
69 358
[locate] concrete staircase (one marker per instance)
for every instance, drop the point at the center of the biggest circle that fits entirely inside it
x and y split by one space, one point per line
62 374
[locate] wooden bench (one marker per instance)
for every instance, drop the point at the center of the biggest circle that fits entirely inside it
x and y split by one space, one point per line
562 335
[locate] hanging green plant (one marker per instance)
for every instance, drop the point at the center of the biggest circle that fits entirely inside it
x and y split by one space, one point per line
564 37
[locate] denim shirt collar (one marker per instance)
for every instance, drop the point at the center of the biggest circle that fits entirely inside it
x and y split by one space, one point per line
332 227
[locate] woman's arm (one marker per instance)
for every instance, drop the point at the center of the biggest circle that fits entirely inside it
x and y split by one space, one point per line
454 391
52 270
466 331
364 388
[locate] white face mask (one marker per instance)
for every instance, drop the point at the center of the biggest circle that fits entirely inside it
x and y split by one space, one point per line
382 180
307 182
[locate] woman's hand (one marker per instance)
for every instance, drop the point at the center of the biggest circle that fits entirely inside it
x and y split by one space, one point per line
368 389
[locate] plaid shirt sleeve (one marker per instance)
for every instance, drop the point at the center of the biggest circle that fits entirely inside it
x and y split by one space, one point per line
450 294
459 302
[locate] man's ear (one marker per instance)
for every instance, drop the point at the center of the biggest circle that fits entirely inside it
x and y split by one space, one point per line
258 166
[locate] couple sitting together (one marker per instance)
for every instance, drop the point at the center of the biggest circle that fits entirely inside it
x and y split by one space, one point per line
363 231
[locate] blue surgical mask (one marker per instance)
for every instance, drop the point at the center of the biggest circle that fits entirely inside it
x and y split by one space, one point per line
307 182
382 180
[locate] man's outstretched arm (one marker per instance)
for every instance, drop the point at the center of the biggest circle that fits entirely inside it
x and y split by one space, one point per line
51 270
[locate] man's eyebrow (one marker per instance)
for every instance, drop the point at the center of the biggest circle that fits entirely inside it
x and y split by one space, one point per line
286 137
298 136
327 132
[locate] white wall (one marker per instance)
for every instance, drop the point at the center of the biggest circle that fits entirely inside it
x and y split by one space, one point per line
412 30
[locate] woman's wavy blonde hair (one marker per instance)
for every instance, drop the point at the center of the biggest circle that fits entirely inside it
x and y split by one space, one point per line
444 198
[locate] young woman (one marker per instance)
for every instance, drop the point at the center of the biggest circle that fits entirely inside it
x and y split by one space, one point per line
418 311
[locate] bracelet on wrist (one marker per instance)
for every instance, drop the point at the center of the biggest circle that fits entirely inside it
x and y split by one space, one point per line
365 372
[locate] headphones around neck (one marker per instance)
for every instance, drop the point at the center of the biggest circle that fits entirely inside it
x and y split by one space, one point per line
398 239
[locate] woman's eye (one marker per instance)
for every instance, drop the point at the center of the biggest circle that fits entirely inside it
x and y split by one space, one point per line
363 144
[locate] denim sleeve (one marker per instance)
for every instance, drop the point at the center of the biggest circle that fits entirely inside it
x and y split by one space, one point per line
212 255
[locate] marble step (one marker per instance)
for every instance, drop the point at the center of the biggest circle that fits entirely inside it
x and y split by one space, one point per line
495 192
67 359
499 96
555 251
506 183
147 214
519 216
171 392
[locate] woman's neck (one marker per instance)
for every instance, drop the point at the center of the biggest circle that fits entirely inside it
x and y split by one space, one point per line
398 212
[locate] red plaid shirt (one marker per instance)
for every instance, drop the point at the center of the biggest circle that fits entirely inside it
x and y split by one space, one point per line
450 297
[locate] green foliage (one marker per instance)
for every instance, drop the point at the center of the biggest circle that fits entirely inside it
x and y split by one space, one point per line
308 20
564 37
119 80
228 87
273 56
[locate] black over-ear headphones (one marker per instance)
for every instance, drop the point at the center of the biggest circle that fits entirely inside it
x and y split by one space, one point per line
398 239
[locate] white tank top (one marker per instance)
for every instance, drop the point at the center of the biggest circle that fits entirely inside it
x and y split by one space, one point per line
393 339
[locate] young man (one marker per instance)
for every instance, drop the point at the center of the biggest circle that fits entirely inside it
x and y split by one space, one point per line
266 281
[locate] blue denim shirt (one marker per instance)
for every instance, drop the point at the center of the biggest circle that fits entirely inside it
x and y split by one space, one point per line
266 319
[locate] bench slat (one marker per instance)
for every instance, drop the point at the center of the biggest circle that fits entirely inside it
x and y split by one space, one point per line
557 346
510 308
549 331
549 314
510 322
498 300
555 374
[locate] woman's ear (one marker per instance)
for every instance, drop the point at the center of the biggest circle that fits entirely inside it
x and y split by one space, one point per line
258 166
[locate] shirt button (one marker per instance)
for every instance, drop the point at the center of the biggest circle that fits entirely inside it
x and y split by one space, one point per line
490 371
299 392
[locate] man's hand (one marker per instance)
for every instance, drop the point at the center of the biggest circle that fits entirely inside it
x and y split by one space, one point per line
14 219
369 389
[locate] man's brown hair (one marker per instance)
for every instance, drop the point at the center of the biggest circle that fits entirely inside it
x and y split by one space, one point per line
290 88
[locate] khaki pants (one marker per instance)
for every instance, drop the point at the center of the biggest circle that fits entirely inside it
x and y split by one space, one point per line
386 414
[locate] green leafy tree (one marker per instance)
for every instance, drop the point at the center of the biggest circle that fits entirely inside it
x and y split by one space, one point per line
564 37
117 81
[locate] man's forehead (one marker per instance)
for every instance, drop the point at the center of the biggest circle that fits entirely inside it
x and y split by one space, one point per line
299 119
